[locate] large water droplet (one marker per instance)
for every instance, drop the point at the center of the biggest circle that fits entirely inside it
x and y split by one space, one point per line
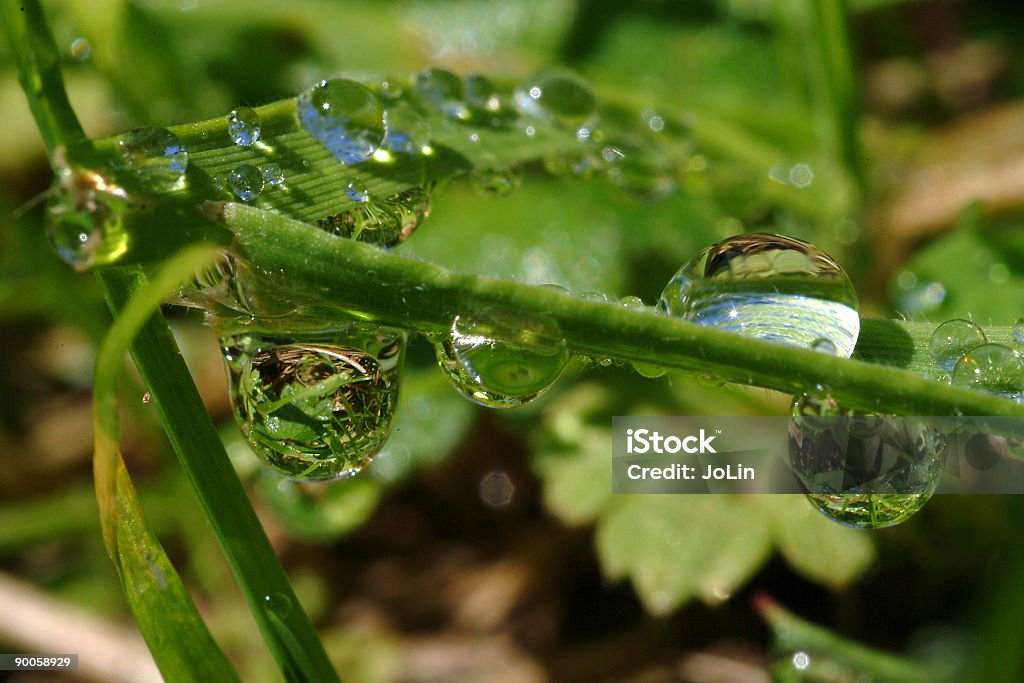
319 408
83 219
444 91
155 155
407 131
502 361
993 368
345 117
772 287
244 126
952 340
864 471
559 95
246 182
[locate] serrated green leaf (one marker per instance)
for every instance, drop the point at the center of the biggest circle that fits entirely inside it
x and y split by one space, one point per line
814 546
675 548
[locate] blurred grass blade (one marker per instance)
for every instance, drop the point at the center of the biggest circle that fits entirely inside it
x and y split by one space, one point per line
793 635
181 645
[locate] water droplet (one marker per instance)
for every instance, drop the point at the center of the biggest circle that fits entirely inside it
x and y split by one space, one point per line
444 91
993 368
155 155
384 222
801 660
1018 333
559 95
481 95
147 397
952 340
278 603
407 131
824 346
497 489
246 182
244 126
319 408
272 174
356 191
772 287
345 117
865 471
80 49
83 219
502 361
495 182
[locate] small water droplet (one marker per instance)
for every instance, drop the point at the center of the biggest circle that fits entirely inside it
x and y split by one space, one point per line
317 408
147 397
649 370
559 95
356 191
83 219
952 340
244 126
246 182
278 603
345 117
155 155
864 471
992 368
637 172
407 131
495 182
772 287
443 91
824 346
1018 333
81 49
497 489
801 660
384 222
502 361
272 174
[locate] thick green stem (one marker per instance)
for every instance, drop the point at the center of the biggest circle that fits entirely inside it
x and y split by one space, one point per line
354 279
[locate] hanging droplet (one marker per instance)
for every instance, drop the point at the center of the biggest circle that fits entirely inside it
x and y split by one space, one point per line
83 219
952 340
345 117
155 155
495 182
246 182
559 95
319 408
443 91
272 174
772 287
407 131
992 368
864 471
502 361
244 126
356 191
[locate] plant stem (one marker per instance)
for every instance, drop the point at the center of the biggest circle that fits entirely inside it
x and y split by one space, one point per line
349 279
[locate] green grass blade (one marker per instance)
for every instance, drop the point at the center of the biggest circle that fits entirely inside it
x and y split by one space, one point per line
285 626
181 645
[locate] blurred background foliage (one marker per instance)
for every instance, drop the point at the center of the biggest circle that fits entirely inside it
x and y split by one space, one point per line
484 546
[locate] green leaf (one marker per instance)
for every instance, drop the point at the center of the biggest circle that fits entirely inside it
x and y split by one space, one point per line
675 548
814 546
